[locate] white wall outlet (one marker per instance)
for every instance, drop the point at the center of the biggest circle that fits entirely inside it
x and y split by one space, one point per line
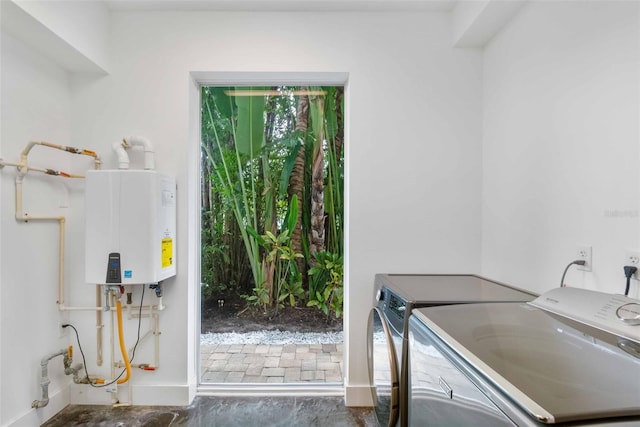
63 319
632 258
62 332
584 253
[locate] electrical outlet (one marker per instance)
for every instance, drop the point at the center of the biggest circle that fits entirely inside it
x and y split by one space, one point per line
633 259
63 319
584 253
62 332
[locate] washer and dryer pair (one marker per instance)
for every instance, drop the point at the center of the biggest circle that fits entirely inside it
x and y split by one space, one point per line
397 295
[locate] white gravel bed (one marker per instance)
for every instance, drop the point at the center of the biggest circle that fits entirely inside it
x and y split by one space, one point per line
272 337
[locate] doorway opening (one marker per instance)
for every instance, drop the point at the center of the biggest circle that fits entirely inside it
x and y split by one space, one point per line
272 243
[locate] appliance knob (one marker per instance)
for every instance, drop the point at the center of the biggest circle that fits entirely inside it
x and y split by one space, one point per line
629 313
380 295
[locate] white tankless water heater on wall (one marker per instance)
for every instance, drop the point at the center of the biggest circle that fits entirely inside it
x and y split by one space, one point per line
130 227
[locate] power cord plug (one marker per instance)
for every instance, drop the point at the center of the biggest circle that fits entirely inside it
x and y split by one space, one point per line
576 262
628 273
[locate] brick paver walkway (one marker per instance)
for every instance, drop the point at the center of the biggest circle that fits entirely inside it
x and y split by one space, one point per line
289 363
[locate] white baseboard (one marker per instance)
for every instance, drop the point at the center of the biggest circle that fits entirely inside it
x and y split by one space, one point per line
358 396
163 395
83 394
35 417
141 395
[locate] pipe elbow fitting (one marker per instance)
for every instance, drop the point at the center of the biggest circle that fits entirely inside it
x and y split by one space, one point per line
121 153
149 152
39 403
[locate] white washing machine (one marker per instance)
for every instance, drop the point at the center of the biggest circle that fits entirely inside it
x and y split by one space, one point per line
397 295
570 357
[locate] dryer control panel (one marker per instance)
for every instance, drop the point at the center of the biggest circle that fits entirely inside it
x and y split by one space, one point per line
616 314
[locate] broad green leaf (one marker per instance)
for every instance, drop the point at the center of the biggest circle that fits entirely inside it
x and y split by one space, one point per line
330 112
292 216
222 100
250 128
255 235
289 161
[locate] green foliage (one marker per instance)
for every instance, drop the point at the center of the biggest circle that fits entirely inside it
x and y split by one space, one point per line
327 283
260 297
292 288
249 144
280 254
250 127
232 169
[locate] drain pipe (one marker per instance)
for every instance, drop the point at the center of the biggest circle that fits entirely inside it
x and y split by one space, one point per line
44 381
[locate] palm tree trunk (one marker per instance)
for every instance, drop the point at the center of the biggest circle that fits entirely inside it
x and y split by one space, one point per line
317 204
340 119
317 183
296 181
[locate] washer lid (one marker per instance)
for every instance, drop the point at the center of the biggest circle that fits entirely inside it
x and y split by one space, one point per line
554 368
437 289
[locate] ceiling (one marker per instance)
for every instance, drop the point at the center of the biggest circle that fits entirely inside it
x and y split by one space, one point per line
282 5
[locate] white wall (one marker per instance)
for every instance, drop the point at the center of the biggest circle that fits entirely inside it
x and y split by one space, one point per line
82 26
560 144
414 118
35 106
557 116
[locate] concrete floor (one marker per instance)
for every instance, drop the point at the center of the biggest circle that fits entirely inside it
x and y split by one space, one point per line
223 411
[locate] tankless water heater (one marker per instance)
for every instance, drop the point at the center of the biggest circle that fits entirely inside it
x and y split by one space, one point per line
130 227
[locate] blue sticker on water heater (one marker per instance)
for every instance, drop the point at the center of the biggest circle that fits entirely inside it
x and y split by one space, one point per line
128 274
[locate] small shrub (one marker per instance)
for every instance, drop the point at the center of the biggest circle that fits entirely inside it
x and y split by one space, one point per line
326 289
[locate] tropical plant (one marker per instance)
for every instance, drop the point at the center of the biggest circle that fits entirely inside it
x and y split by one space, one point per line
334 194
296 184
327 283
316 103
260 297
233 162
281 255
261 149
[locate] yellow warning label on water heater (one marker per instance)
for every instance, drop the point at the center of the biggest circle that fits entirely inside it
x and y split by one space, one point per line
167 252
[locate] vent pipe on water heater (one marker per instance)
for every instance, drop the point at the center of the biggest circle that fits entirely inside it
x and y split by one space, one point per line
120 148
